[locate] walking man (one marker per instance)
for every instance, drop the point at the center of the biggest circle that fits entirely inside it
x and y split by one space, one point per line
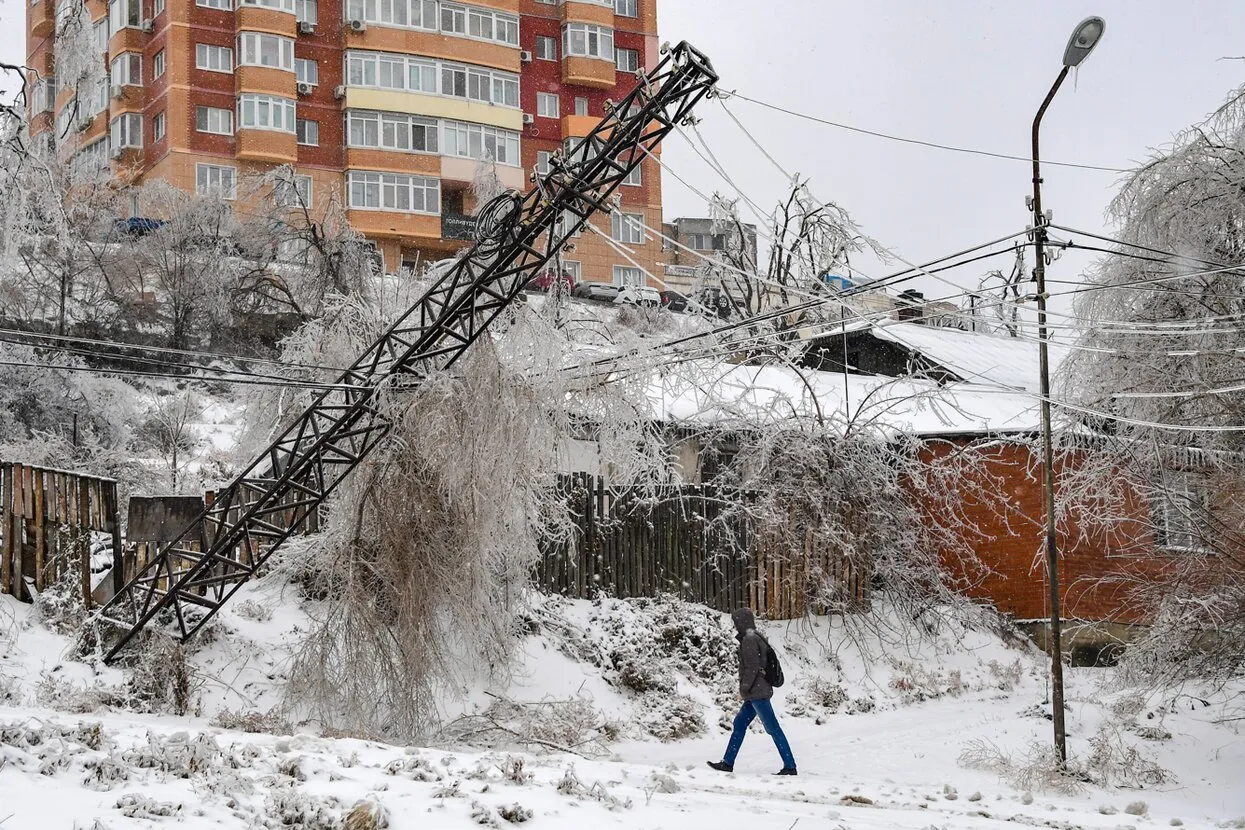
756 692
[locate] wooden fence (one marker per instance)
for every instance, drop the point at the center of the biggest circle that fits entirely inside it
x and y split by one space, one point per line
681 540
49 521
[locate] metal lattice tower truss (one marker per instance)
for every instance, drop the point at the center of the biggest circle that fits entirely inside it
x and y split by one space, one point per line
518 235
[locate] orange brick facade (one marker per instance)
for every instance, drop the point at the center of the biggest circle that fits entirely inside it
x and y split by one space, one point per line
1099 571
174 30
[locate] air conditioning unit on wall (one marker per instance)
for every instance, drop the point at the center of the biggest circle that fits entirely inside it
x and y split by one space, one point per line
358 26
148 25
306 28
305 88
339 92
525 56
528 118
116 153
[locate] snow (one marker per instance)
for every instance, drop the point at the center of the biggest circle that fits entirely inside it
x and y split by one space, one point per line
974 356
893 763
721 393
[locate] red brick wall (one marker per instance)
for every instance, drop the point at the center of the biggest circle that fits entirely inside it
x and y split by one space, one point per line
1003 499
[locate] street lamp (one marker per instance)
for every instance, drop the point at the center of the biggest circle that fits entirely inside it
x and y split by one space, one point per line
1082 42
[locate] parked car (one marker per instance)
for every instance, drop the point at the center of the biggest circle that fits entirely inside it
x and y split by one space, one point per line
546 280
596 291
641 295
136 226
673 300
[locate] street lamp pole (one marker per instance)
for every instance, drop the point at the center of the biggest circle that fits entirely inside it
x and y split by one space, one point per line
1082 42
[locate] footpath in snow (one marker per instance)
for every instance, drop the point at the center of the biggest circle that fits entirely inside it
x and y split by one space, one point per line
882 742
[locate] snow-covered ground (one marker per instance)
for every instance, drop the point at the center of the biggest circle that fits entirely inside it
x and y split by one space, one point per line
879 739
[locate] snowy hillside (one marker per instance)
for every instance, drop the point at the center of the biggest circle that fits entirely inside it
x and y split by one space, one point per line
942 736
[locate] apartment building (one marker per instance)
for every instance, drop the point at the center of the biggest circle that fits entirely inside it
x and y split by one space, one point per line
386 106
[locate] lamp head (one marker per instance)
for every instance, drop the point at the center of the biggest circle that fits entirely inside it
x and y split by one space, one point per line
1084 38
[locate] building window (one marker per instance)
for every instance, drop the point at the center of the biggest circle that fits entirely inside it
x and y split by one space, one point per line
100 30
542 161
633 178
216 180
157 8
584 40
1179 507
125 13
43 98
476 141
627 227
547 105
255 49
307 71
626 8
157 127
393 191
308 132
306 11
127 69
296 193
627 60
279 5
391 131
214 120
581 106
157 65
415 14
215 4
127 130
453 19
266 112
574 268
546 48
482 24
213 58
414 74
624 276
93 157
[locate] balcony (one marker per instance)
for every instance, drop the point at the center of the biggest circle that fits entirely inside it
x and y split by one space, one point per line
592 72
267 146
42 19
588 11
253 18
264 79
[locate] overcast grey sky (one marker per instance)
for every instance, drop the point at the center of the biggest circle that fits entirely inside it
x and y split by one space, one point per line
959 72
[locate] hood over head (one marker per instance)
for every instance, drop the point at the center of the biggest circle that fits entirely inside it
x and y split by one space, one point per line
743 619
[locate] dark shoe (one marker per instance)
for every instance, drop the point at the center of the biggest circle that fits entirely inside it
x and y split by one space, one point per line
785 771
722 766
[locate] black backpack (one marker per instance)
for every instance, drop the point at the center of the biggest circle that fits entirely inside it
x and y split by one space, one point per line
773 669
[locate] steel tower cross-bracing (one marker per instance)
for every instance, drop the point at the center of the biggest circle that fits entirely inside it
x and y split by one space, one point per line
517 235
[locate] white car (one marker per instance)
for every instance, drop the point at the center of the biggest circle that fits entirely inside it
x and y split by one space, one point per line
639 295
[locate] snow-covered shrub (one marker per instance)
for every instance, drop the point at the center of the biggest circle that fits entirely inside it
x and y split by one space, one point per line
159 678
137 805
669 716
515 813
1008 676
368 814
62 694
916 683
251 610
570 784
1037 768
177 755
290 807
269 722
1113 762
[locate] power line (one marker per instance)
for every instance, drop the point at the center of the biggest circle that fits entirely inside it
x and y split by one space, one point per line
136 373
931 144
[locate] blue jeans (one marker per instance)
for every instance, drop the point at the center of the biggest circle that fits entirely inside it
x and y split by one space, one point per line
765 711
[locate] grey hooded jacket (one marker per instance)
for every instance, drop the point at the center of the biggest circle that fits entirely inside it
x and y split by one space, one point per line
752 648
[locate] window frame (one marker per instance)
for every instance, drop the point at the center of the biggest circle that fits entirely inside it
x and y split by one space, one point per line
131 126
272 104
1177 498
159 125
589 33
369 182
621 6
220 169
630 270
252 45
302 134
545 40
283 191
204 53
624 228
126 69
543 98
619 52
207 118
157 65
300 64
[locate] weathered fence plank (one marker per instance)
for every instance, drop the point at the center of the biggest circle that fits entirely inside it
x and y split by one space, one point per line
682 541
